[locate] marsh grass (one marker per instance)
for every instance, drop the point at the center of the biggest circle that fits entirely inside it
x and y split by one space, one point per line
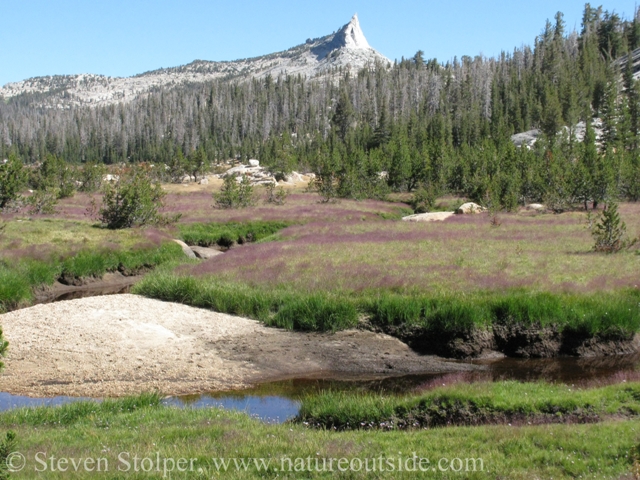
611 314
94 264
452 277
37 253
581 313
229 233
280 308
474 403
544 451
24 237
462 254
14 290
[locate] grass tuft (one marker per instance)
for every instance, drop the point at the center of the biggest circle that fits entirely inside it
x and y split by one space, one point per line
230 233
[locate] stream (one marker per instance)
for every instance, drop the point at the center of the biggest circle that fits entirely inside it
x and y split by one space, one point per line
276 402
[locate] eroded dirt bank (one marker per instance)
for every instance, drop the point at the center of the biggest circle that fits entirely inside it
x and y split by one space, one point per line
109 284
519 341
125 344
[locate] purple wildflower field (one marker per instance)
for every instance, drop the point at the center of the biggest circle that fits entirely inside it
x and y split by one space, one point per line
539 252
299 207
69 229
41 239
347 246
197 206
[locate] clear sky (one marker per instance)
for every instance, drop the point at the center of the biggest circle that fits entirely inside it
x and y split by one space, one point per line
126 37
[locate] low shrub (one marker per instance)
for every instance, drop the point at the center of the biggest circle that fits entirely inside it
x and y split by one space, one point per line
42 202
276 196
90 177
54 176
133 200
424 199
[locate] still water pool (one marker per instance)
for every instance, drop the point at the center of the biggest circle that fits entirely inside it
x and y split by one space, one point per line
278 401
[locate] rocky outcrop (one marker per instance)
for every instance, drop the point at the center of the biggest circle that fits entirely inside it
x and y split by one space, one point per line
469 208
258 175
530 137
527 139
195 251
535 207
294 178
580 130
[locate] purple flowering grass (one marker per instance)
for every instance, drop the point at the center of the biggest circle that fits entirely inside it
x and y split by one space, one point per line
542 252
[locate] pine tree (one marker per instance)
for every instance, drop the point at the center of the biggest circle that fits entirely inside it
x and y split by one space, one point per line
12 179
343 115
610 231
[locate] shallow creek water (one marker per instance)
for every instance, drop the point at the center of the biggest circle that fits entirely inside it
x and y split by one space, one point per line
278 401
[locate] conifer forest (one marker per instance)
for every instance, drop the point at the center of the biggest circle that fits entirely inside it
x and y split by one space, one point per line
421 126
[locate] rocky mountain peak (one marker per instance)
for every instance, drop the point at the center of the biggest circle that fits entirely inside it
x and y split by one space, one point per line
352 34
345 49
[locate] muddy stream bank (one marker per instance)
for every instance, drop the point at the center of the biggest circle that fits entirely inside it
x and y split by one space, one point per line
109 284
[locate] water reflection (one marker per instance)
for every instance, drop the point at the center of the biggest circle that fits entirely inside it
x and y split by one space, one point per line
269 408
8 401
278 401
564 369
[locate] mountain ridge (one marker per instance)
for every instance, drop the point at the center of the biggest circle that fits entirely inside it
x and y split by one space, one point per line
347 48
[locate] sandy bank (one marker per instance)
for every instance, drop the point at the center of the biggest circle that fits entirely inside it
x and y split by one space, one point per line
125 344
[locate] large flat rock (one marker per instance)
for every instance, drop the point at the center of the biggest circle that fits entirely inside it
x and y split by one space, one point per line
428 217
205 253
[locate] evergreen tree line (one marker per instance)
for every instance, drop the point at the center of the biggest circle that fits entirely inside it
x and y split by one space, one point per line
419 126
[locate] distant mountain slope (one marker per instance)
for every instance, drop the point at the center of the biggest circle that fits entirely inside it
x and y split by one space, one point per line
348 48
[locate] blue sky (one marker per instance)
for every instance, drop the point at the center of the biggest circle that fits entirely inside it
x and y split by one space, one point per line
122 38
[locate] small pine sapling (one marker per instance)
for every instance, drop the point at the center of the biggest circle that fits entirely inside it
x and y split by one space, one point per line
610 232
234 194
